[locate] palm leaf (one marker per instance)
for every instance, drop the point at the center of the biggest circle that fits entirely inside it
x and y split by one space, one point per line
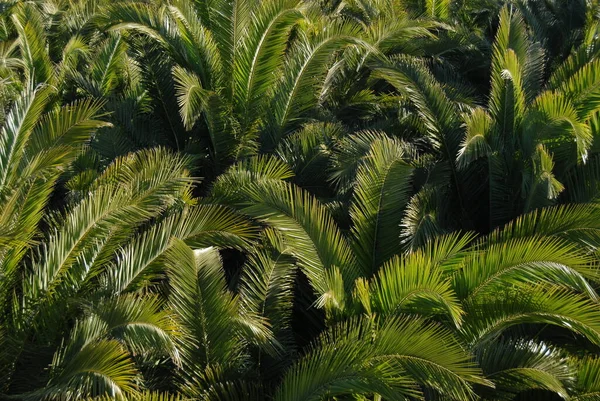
488 317
587 386
207 312
522 261
32 40
389 359
311 233
303 72
383 184
516 366
143 259
17 129
260 56
414 284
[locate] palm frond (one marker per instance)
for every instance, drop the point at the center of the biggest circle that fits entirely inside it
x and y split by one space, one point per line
17 129
206 311
312 235
412 79
260 57
108 65
98 368
390 358
587 385
516 366
70 124
142 260
575 223
488 317
140 323
32 40
411 284
267 283
524 261
303 72
382 189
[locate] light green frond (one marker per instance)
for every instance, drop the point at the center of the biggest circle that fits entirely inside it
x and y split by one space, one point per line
205 310
515 366
507 99
587 385
389 358
438 9
313 237
142 260
191 96
575 223
260 57
194 102
348 153
584 89
305 71
413 284
477 142
33 43
146 396
421 220
554 120
17 129
99 368
439 115
382 190
194 46
228 22
140 322
542 187
228 186
267 283
510 56
488 317
491 268
69 125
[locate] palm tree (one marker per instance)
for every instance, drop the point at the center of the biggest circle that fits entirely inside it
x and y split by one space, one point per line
67 301
503 295
530 147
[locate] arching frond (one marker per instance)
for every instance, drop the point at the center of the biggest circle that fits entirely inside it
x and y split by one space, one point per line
303 72
313 237
587 385
17 129
410 284
207 312
486 318
515 366
260 57
575 223
390 359
142 260
382 190
529 260
267 284
98 368
33 42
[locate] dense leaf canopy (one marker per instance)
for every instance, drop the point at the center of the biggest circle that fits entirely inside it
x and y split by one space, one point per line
311 200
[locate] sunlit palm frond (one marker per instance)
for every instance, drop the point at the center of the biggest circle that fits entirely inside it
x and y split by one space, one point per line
389 358
382 189
515 366
488 317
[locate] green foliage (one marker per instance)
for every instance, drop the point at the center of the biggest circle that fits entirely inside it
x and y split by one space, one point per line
299 200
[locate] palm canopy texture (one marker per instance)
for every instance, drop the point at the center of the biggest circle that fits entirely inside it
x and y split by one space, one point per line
299 200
